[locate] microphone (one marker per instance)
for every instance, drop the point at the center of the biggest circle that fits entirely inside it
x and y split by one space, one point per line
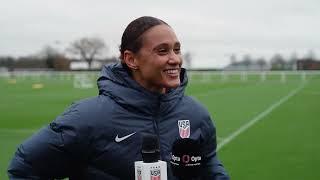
150 168
186 159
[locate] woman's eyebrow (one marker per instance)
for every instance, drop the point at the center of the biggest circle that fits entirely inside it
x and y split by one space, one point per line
162 45
177 44
166 45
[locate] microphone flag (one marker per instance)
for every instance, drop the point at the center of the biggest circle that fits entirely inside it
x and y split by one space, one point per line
186 158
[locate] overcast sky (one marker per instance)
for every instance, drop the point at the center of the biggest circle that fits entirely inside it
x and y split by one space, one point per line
210 30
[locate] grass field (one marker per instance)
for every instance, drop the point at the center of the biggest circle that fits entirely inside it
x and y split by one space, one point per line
267 126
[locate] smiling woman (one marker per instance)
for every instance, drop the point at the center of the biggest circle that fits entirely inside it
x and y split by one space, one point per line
101 137
156 63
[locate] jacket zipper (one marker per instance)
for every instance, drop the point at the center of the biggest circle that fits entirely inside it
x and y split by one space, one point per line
156 124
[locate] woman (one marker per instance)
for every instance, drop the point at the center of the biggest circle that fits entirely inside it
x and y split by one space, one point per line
100 137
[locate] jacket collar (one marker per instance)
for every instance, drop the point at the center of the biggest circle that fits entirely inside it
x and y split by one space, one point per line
116 83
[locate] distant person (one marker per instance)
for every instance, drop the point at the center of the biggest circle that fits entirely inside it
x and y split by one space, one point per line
100 137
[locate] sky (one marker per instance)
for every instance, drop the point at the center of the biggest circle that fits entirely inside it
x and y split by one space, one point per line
211 30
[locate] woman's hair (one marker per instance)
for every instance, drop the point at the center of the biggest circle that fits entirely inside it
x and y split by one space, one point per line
131 38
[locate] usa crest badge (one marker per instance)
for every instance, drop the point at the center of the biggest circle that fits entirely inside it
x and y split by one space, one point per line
139 175
155 174
184 128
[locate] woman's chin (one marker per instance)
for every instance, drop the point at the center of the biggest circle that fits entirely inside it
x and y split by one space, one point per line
173 84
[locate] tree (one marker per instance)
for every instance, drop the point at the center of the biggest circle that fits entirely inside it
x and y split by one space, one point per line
88 48
310 55
233 59
292 62
7 62
247 60
49 54
277 62
261 62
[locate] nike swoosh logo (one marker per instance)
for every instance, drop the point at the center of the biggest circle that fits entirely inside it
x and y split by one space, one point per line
119 139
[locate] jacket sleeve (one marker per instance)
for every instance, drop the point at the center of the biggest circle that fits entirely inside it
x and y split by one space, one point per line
214 169
55 151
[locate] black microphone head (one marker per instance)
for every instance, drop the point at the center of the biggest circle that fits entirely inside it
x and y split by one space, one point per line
150 148
186 158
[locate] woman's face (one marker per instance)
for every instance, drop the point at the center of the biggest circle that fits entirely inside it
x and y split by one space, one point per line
159 59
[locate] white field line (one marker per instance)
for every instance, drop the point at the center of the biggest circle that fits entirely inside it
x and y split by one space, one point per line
259 117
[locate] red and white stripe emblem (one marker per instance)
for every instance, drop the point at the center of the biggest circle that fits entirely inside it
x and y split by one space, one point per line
155 174
139 175
184 128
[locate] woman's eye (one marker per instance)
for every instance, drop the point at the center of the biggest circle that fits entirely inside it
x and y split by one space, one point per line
177 50
162 51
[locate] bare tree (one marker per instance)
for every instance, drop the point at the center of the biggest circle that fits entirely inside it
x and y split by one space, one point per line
292 62
49 54
233 59
310 55
277 62
261 62
247 60
8 62
87 48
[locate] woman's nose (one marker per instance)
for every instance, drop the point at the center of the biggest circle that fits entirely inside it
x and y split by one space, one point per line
175 58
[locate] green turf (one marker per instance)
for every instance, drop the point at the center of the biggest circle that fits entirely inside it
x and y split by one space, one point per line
282 145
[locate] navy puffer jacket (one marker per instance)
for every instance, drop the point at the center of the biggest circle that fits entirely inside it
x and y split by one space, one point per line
100 137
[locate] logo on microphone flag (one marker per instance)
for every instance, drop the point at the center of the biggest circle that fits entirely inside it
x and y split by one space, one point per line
155 174
184 128
139 174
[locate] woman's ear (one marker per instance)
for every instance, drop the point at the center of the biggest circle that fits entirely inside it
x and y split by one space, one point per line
130 60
